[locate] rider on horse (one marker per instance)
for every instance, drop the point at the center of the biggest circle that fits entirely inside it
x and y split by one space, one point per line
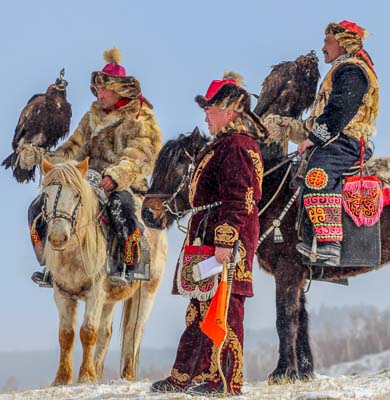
341 122
121 137
229 170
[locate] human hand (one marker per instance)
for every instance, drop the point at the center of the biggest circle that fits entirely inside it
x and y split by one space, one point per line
222 254
107 183
302 147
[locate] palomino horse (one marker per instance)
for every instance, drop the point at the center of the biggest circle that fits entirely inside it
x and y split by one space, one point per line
168 198
76 255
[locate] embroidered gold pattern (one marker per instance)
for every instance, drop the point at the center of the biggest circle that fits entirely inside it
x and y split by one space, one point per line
203 307
197 174
249 200
225 234
37 243
259 168
235 346
240 273
178 376
212 374
191 314
132 251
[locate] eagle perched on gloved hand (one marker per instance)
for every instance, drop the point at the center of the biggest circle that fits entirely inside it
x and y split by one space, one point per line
43 121
290 88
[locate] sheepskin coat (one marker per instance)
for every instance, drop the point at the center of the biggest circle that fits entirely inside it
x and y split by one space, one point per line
121 143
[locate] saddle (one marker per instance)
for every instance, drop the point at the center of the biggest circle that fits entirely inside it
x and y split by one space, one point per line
363 197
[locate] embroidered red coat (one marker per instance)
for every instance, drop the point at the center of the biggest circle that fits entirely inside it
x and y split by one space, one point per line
230 170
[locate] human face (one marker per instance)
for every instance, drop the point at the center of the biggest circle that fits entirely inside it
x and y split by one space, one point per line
107 98
217 118
331 48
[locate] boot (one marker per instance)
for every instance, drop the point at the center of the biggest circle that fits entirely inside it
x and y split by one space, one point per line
43 279
166 386
327 253
206 389
123 277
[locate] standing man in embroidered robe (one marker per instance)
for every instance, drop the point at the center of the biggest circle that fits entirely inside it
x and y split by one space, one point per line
343 116
229 170
121 137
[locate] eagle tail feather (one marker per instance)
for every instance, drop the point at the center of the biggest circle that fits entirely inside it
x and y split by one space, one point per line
24 175
9 161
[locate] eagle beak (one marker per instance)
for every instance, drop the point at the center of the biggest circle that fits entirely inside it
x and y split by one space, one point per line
313 56
60 81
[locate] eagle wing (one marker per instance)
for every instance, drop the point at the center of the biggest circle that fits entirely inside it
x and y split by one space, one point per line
274 85
29 120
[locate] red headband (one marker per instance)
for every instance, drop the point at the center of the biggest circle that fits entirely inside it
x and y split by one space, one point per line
351 26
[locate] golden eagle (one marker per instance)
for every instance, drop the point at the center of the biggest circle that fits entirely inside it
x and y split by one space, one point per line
290 87
43 122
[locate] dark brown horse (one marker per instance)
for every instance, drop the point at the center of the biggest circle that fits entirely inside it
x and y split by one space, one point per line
168 198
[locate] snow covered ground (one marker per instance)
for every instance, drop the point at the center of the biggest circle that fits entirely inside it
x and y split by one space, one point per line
370 362
356 387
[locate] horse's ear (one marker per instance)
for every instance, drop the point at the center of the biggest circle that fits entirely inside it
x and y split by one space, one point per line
46 166
82 166
197 137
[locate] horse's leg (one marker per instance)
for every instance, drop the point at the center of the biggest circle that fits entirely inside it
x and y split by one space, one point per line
137 309
67 309
88 334
104 337
289 283
304 355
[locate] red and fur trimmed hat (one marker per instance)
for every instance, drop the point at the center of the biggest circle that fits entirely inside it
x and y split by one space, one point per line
228 93
113 77
350 36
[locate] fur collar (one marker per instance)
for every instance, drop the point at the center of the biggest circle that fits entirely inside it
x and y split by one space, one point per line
99 120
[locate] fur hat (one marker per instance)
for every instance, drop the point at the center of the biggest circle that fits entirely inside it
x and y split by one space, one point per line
228 93
113 77
350 36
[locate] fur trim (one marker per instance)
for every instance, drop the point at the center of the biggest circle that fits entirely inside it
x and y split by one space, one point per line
113 55
380 167
234 75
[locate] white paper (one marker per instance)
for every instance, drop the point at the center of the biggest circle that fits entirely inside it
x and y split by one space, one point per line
206 268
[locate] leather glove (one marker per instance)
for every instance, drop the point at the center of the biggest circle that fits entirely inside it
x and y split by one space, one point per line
286 127
30 156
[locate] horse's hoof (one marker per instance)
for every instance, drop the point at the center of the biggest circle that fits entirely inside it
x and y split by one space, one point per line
306 376
61 381
283 377
87 377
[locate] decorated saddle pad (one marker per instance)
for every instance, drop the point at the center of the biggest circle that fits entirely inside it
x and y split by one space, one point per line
363 199
204 289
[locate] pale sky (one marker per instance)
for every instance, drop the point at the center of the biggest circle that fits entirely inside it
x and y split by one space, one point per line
175 48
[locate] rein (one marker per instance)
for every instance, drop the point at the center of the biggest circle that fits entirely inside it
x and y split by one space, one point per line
186 179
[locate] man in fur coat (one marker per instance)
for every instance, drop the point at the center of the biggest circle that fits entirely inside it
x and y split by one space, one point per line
121 137
229 170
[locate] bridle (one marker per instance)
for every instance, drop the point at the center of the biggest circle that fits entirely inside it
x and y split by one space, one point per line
55 214
170 205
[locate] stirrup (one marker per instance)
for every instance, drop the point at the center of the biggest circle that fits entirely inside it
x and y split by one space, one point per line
42 279
122 279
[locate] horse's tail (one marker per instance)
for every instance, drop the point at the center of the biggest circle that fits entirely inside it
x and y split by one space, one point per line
131 309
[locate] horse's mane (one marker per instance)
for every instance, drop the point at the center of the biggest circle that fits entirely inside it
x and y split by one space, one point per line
89 233
173 150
